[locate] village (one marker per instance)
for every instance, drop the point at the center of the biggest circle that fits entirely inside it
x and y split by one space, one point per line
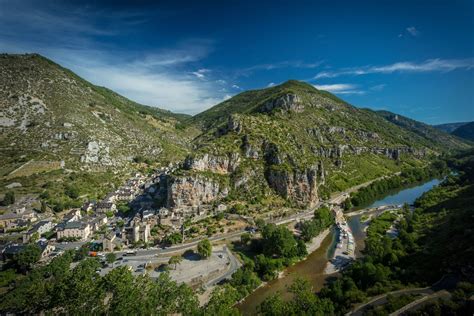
127 223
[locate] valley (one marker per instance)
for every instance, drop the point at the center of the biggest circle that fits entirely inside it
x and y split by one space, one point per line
227 209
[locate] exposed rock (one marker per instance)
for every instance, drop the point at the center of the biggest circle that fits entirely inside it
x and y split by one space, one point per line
272 154
96 152
192 191
234 124
337 129
13 185
212 163
287 102
298 186
321 173
249 150
392 153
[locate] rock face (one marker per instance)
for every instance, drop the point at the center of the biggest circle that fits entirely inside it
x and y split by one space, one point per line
222 165
96 152
249 150
392 153
287 102
192 191
234 124
298 186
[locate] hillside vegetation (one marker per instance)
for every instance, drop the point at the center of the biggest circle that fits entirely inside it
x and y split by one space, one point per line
289 145
54 123
279 141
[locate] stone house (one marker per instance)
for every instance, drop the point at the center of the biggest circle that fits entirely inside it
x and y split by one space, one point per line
38 228
74 229
106 206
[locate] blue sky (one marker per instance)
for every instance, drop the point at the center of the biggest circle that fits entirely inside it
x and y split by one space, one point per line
415 58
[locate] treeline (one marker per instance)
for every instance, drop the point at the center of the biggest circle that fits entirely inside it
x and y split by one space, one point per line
377 188
81 290
56 288
431 243
321 220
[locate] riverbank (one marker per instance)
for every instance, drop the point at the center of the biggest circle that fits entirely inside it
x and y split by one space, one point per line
306 267
374 209
315 243
344 253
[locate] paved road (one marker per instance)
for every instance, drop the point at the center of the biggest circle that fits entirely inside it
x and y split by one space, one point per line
445 283
382 299
422 301
234 265
305 214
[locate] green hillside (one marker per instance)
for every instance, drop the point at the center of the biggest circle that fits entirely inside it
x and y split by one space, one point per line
291 130
465 131
55 124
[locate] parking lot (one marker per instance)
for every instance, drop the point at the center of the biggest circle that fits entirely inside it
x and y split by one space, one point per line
192 269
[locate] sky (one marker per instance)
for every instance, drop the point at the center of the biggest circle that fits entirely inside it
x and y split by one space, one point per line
415 58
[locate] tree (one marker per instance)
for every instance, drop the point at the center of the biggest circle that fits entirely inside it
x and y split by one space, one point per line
222 301
110 257
9 198
245 238
309 230
35 237
28 256
204 248
260 223
174 238
81 253
278 241
274 305
44 207
72 191
123 208
175 260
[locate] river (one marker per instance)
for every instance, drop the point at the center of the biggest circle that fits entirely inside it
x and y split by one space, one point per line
312 267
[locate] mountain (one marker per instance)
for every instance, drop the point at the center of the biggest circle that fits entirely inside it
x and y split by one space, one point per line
449 127
429 134
465 131
290 145
53 121
293 144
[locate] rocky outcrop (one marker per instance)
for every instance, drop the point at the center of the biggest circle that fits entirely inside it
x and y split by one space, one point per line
96 152
286 102
193 190
272 154
249 150
300 187
392 153
217 164
234 124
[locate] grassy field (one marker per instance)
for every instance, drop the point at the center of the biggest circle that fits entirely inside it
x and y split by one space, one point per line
32 167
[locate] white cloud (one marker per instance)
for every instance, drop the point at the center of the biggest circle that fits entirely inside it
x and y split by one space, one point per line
430 65
278 65
378 87
413 31
271 84
236 87
340 88
74 37
201 73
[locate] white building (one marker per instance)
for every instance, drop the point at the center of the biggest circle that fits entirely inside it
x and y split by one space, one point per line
74 230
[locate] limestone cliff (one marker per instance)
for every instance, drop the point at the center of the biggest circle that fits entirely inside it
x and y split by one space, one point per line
193 190
217 164
300 187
